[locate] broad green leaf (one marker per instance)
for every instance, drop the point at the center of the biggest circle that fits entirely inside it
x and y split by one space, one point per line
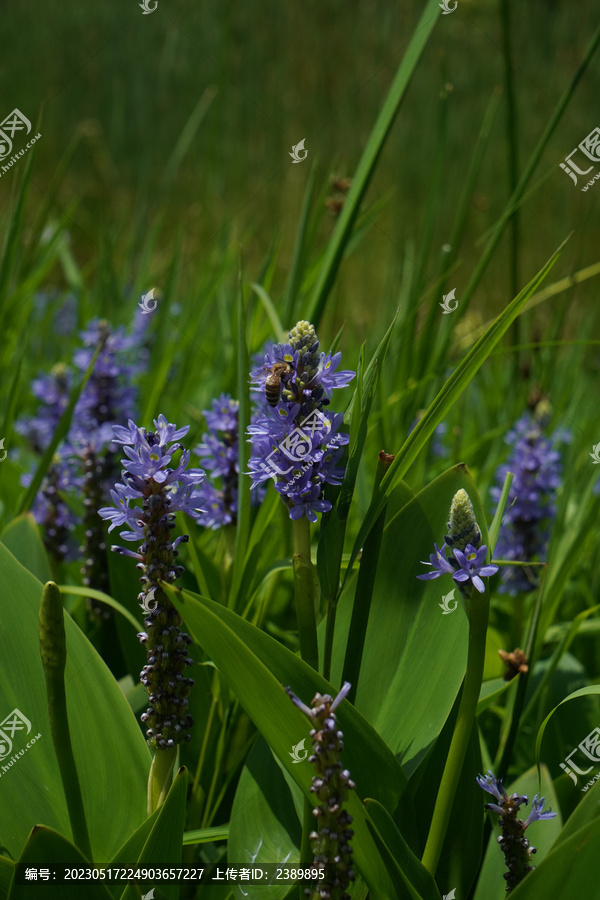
264 824
257 667
415 656
408 867
23 539
110 751
572 870
162 848
7 869
45 848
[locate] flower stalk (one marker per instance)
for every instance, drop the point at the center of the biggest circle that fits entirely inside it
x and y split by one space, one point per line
466 568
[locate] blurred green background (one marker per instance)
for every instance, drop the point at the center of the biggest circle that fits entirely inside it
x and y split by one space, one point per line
184 119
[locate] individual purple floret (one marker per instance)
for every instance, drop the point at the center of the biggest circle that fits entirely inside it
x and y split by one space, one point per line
467 562
535 462
518 854
219 450
295 438
153 489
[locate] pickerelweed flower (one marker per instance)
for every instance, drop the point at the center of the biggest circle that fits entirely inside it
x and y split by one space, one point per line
330 785
518 854
50 511
535 462
467 564
219 450
295 438
163 491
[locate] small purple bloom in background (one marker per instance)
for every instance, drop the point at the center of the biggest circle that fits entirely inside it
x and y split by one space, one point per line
467 564
295 438
535 462
164 488
518 854
219 450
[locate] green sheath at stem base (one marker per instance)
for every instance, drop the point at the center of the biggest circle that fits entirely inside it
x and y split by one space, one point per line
161 777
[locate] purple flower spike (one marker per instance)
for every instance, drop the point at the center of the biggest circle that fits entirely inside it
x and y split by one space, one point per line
535 461
518 853
163 490
295 437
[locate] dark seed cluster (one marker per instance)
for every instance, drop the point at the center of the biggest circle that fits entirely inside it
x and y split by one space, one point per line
166 645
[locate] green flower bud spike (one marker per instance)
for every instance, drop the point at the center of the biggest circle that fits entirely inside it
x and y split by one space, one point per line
462 527
53 650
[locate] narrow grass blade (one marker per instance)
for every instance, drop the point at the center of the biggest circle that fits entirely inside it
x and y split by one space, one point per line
368 162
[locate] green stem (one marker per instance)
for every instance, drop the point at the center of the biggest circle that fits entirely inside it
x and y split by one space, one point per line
161 777
53 650
306 587
478 617
329 633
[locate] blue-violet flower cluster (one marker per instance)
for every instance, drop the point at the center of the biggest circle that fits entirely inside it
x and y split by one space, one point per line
295 438
518 853
535 462
148 478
